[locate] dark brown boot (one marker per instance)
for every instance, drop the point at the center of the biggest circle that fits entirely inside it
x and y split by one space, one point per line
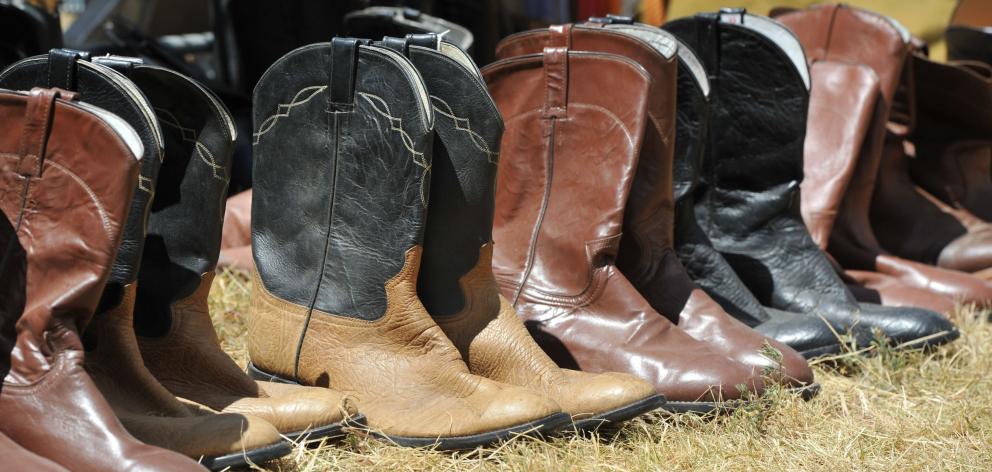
67 172
575 121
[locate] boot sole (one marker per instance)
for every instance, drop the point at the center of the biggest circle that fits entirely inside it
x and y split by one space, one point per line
613 417
541 427
333 431
703 408
243 459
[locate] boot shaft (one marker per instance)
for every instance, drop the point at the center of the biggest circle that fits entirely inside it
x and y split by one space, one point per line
66 181
103 87
184 227
570 151
468 130
768 67
342 162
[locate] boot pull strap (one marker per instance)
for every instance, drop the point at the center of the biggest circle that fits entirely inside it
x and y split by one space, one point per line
555 82
815 54
37 127
560 36
707 34
122 64
62 68
344 64
400 45
426 40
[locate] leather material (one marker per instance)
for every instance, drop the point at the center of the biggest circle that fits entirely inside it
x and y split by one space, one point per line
378 21
235 244
176 338
875 287
370 244
68 218
183 234
147 409
189 363
749 205
105 88
848 106
18 458
351 213
557 226
953 135
407 377
456 281
646 254
703 263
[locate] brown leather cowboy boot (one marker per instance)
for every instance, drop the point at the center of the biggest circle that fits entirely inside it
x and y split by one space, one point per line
343 141
838 210
575 122
67 172
953 133
456 281
113 360
646 254
175 334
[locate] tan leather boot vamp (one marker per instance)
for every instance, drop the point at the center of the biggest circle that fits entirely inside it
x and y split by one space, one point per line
408 378
147 410
189 362
496 345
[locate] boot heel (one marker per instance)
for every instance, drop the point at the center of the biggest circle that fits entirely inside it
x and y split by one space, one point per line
257 374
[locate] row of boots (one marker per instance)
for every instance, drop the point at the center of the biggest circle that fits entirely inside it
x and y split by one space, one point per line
113 178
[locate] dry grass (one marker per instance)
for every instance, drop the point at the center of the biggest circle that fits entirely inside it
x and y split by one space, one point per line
891 411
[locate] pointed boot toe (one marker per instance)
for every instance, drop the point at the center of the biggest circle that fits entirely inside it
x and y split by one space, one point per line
810 336
911 328
970 252
715 384
596 400
301 412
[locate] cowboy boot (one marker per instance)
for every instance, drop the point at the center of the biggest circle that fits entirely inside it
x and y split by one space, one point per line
705 265
67 172
113 359
342 164
647 254
952 134
172 321
749 205
903 221
557 225
379 21
456 283
842 156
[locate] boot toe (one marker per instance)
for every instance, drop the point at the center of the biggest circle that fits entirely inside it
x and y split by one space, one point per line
294 408
711 378
971 252
516 406
914 327
586 394
809 335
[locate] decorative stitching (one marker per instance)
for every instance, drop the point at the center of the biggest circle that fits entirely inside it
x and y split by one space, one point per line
396 124
144 184
463 124
190 136
283 110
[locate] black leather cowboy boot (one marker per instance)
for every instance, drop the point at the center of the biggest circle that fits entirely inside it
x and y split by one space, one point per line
171 318
146 409
749 190
343 145
456 282
704 264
